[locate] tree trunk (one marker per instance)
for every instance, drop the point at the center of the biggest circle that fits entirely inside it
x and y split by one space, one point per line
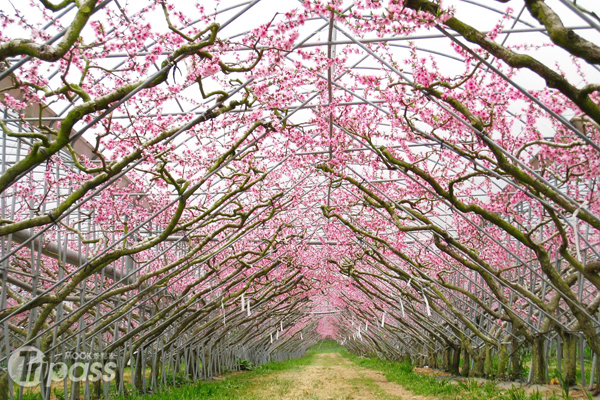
569 366
139 370
433 360
489 365
538 361
97 392
76 385
596 390
4 389
446 359
455 365
466 365
503 362
516 369
479 364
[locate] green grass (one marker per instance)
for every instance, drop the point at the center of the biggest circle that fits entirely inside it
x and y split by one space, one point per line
469 389
326 346
369 385
233 387
553 369
403 374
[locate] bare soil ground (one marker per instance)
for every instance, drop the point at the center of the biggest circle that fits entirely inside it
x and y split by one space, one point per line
331 376
432 372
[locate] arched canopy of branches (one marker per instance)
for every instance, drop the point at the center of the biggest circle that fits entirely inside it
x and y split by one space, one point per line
186 185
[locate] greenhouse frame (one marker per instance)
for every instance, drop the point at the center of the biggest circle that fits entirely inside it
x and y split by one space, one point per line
187 187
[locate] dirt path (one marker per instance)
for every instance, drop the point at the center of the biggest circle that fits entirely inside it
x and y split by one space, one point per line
330 376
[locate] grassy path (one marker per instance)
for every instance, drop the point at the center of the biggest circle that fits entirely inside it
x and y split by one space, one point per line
328 376
320 375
